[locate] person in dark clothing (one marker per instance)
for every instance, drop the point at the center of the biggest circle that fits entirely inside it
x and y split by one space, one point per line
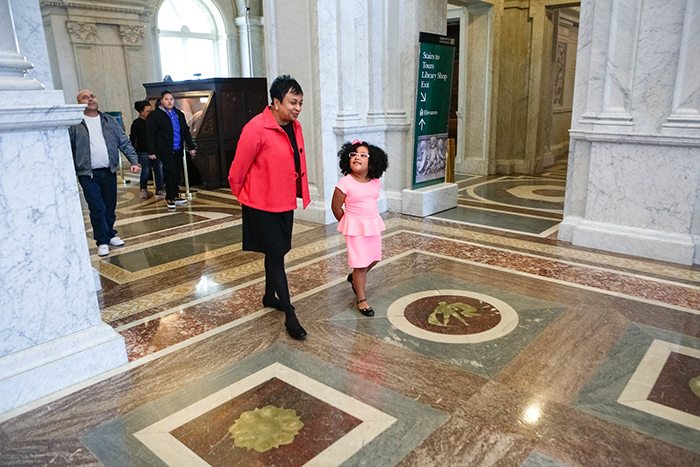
139 140
267 176
167 132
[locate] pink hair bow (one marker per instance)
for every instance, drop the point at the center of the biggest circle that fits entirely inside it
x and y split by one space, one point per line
357 141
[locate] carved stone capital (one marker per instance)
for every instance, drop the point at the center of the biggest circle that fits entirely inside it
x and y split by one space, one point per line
81 32
132 35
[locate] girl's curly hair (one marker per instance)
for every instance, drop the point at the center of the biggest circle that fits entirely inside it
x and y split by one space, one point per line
378 159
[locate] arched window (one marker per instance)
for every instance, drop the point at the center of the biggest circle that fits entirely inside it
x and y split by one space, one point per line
192 39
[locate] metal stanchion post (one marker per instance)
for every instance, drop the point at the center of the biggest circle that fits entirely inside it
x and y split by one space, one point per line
450 162
187 177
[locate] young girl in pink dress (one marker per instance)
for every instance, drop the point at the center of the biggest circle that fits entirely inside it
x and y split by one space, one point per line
362 164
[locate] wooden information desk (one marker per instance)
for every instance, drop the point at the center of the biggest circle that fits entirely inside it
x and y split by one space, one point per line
216 110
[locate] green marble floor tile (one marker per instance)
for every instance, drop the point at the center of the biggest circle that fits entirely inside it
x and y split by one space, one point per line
538 460
115 445
482 358
139 260
600 395
169 221
501 220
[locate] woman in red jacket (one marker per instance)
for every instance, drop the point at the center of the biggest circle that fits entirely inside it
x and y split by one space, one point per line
267 176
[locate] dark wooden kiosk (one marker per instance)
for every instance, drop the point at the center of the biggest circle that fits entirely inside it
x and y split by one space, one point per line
216 110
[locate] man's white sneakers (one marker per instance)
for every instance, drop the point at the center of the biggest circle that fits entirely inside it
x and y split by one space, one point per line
116 241
103 250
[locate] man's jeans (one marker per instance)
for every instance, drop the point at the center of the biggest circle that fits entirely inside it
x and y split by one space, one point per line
100 192
148 165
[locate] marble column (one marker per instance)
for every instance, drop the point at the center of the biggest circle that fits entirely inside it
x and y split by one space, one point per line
634 183
476 68
251 41
359 82
51 334
13 66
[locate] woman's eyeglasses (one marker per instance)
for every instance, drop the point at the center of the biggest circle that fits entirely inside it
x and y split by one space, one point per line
359 154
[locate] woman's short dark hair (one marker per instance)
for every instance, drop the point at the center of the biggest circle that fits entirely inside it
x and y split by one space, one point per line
378 160
282 85
140 105
165 92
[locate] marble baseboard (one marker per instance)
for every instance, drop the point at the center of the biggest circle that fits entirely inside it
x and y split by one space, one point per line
429 200
472 166
98 282
316 211
567 228
647 243
41 370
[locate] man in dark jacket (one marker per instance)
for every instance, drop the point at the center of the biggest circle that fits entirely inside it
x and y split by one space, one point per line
168 132
95 143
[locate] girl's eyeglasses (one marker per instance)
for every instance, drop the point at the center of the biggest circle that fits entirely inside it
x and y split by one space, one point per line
359 154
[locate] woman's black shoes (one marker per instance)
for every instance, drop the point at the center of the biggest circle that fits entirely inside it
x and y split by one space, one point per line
352 284
295 330
368 311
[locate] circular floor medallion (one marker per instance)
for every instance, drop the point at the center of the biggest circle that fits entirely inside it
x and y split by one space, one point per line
453 316
551 193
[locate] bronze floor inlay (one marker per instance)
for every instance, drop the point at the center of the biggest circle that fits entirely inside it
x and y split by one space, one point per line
452 314
208 435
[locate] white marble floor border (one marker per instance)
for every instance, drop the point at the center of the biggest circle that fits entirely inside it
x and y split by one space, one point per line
158 439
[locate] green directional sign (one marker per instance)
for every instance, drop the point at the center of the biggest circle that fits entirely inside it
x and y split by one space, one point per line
435 68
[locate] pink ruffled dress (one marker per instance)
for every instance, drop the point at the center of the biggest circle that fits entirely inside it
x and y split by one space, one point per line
361 223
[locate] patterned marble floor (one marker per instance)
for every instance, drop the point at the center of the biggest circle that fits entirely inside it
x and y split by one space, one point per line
525 204
490 346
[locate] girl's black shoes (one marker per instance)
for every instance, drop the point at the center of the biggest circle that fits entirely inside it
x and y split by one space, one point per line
351 283
368 311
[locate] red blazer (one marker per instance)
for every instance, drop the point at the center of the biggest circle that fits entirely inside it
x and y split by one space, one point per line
262 175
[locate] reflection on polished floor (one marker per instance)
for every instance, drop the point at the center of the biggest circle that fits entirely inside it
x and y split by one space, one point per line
526 204
492 344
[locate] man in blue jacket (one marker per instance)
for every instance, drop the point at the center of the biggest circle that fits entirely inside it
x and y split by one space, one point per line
95 143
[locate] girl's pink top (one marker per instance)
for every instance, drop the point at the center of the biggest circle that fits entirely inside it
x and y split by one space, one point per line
361 211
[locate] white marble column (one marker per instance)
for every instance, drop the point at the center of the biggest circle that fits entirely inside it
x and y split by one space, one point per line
13 66
685 118
632 187
357 63
251 40
477 36
51 334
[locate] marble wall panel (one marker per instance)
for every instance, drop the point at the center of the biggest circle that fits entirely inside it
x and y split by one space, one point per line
594 32
477 86
584 56
511 117
106 76
64 68
659 42
620 61
48 291
643 186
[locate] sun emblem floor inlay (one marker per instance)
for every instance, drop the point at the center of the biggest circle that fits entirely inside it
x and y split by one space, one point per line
266 428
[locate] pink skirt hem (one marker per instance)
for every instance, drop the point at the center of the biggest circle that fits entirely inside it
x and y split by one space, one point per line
363 251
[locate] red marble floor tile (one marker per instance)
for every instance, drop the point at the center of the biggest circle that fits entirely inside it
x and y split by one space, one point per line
672 388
